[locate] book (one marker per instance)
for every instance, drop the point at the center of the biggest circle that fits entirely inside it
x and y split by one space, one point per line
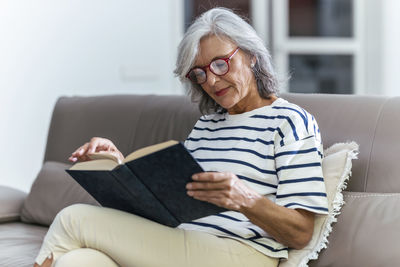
150 182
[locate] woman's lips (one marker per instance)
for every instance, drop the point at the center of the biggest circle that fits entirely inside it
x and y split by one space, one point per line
222 91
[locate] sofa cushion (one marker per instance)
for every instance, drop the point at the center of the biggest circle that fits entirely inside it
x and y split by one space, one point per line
20 243
336 167
11 201
366 233
52 191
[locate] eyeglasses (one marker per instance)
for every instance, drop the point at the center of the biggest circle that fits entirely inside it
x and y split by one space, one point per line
219 66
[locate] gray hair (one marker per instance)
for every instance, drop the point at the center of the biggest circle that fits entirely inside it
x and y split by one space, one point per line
222 22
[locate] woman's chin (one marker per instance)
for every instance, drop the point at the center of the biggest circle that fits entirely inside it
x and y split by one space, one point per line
225 105
226 102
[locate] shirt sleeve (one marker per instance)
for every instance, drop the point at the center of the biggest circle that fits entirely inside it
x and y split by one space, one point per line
298 162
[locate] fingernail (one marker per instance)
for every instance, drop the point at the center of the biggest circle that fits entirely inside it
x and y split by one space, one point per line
195 176
189 186
190 193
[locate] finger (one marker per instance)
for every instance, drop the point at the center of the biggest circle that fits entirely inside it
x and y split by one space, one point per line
221 202
209 193
212 176
81 155
104 145
208 186
77 154
76 159
203 197
73 159
101 144
92 146
80 151
98 144
83 158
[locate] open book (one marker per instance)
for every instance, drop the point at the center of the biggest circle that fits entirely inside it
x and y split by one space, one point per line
151 182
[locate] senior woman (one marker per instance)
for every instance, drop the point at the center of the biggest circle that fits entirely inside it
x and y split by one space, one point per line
262 157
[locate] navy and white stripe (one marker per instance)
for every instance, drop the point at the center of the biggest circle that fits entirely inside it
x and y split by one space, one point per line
276 150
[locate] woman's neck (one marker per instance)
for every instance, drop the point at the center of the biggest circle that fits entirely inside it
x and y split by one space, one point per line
252 103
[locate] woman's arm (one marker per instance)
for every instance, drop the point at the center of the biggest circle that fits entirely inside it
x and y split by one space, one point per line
291 227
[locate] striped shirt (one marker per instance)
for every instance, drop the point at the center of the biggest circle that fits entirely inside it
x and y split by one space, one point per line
276 150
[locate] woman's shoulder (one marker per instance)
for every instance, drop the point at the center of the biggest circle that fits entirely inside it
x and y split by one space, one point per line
295 118
282 107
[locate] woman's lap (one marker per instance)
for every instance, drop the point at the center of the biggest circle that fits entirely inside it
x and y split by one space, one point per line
130 240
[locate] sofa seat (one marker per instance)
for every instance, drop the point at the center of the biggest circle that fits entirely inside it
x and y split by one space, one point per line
20 243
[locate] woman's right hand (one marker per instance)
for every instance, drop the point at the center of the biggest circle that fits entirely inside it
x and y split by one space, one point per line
96 144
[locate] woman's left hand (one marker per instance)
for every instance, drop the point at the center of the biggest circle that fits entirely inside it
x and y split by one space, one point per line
223 189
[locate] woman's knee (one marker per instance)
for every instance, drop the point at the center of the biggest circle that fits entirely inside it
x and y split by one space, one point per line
85 257
73 211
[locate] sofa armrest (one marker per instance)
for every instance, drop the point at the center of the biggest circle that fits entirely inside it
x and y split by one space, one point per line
11 201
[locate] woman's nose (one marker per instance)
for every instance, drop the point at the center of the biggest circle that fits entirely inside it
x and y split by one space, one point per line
211 78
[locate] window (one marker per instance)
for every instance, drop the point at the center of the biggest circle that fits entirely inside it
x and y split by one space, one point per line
321 73
318 43
319 18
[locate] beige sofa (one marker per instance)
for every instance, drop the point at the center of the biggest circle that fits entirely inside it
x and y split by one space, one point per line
367 232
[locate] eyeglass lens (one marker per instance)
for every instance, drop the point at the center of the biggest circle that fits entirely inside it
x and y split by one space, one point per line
218 67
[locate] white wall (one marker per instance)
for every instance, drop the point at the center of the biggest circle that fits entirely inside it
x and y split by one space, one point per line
373 46
74 47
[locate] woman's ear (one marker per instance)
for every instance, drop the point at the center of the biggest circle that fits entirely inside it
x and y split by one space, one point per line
253 61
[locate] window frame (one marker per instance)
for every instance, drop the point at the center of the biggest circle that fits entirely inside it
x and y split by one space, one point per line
275 33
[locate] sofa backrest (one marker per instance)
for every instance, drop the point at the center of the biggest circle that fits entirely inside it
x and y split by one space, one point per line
134 121
373 122
130 121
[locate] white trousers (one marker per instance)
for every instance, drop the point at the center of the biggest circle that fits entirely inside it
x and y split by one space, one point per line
84 235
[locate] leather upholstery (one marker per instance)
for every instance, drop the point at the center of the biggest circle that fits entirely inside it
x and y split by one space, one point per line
373 122
343 118
11 201
130 121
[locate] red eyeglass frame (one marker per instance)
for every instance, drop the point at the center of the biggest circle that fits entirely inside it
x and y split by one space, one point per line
226 59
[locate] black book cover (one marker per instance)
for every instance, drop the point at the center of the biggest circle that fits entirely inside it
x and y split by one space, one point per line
153 186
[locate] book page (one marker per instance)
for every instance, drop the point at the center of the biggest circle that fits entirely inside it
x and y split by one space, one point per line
103 155
149 149
95 165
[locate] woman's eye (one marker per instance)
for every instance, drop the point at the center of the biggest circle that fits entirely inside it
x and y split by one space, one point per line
219 64
200 74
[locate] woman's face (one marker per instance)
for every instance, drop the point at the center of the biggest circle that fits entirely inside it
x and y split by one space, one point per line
235 91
